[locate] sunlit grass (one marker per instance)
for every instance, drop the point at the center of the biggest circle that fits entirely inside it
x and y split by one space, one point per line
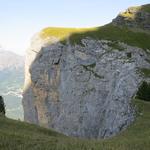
107 32
62 33
128 14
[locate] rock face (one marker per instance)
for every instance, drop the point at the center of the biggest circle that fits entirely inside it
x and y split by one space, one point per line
86 89
82 90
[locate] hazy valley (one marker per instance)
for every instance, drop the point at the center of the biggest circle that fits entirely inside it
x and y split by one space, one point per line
11 79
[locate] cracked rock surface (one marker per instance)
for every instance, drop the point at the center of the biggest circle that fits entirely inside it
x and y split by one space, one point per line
82 90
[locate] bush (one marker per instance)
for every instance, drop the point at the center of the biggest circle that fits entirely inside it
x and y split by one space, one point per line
129 55
144 91
2 106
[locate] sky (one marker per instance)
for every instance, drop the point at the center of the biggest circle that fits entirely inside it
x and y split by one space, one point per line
21 19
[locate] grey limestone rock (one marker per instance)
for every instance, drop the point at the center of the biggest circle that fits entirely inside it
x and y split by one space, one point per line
82 91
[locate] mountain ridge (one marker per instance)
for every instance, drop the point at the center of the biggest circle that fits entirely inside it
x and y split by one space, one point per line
10 60
135 36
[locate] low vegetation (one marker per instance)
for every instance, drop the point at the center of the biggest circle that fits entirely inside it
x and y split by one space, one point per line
134 37
144 91
107 32
2 106
145 72
15 135
62 33
146 8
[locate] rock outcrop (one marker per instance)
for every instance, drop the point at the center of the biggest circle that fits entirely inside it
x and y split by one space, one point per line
82 90
134 17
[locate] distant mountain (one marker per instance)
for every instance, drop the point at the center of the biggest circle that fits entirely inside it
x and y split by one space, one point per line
11 82
10 60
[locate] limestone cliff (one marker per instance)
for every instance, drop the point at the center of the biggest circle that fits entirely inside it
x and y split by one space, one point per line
81 82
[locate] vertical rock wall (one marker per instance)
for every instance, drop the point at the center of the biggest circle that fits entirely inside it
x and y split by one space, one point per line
82 91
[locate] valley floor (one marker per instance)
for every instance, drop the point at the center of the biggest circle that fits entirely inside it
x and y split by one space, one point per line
16 135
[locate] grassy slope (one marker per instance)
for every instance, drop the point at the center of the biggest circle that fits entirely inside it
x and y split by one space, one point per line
146 8
132 37
107 32
15 135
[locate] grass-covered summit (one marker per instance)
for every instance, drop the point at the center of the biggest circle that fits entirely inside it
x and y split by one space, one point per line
121 29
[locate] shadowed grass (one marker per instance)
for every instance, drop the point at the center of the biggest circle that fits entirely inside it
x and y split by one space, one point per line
146 8
107 32
114 33
146 72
